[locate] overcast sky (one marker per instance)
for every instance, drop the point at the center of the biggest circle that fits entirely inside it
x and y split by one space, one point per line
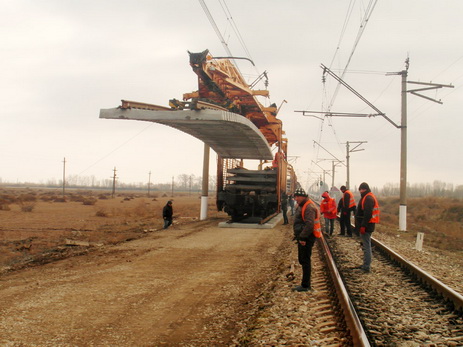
62 61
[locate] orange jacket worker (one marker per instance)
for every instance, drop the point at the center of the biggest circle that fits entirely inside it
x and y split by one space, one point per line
348 206
306 230
328 210
367 217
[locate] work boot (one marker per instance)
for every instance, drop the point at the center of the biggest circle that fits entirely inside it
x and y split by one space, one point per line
301 289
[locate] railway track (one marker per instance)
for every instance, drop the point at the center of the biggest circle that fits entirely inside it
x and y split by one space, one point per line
397 303
390 306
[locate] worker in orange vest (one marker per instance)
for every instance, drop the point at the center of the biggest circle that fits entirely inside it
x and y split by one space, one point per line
307 229
328 210
348 206
367 217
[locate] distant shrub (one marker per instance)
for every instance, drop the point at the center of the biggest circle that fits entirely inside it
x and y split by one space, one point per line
101 213
46 198
28 197
454 213
27 207
8 199
4 207
142 209
77 198
102 196
89 201
59 199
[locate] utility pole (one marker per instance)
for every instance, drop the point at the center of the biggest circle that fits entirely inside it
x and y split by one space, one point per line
172 195
149 183
64 175
205 188
338 161
334 163
323 172
402 126
403 135
403 152
348 158
333 169
114 183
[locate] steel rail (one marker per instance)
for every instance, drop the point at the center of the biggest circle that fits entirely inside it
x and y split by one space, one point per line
445 291
354 325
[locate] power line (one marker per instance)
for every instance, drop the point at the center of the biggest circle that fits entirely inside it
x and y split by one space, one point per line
367 14
117 148
235 27
363 24
343 30
214 25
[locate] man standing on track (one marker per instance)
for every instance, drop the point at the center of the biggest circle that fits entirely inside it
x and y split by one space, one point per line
328 210
348 206
367 216
306 229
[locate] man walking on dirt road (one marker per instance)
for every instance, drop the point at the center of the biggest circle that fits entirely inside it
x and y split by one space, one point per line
306 229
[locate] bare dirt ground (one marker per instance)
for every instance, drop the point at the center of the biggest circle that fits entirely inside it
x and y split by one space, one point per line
193 284
96 271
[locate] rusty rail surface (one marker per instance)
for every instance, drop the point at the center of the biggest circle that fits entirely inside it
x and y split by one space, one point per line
354 325
445 291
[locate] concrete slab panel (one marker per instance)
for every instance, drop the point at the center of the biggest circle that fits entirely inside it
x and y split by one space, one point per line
229 134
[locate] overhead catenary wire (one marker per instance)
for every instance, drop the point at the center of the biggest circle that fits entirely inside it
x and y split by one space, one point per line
366 17
233 25
215 27
116 148
363 25
230 20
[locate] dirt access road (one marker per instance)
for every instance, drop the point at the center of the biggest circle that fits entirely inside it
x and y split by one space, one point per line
194 285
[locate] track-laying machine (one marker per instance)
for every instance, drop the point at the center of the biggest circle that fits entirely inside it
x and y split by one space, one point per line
244 194
247 195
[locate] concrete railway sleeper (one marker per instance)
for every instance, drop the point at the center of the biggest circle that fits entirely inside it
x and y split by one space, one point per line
394 307
347 307
321 317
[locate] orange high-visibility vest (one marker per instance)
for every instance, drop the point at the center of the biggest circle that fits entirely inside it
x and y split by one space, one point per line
375 213
328 206
317 227
351 201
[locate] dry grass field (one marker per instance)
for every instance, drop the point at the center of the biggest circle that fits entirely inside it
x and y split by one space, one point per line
38 226
440 219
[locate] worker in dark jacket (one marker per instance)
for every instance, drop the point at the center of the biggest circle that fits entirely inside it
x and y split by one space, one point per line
342 228
167 214
348 206
284 207
306 229
367 217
